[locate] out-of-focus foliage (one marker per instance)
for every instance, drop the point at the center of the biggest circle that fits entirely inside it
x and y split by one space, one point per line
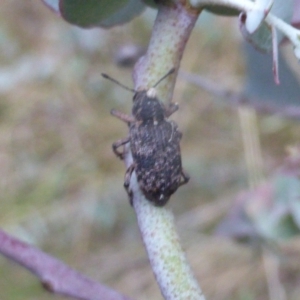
271 211
262 38
97 13
61 185
260 87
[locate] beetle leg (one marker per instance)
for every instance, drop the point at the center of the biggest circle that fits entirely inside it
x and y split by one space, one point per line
172 133
128 176
124 117
185 178
171 109
127 181
118 144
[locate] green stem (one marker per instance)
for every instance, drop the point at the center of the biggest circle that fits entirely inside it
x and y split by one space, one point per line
167 259
170 34
171 31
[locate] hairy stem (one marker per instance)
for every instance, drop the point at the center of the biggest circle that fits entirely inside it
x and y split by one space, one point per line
171 31
55 276
170 34
167 259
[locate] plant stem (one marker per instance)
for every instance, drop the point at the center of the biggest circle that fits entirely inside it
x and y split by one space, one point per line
54 275
171 31
167 259
170 34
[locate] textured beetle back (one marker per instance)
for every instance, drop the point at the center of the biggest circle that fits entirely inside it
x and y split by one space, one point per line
156 153
155 146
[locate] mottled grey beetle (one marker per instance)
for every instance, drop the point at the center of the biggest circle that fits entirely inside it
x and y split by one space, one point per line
154 143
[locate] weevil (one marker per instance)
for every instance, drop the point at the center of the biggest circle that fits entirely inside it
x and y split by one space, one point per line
154 143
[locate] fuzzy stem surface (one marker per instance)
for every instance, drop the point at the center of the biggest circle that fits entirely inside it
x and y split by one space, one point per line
54 275
167 259
171 31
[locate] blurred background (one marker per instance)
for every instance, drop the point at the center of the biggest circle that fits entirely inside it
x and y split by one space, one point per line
62 186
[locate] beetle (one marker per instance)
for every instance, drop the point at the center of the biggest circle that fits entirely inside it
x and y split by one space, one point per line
154 143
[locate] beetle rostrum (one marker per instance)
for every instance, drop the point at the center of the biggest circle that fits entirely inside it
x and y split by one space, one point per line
155 145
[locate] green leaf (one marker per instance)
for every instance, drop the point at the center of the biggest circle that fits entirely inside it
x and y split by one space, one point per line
289 189
132 9
260 88
222 10
262 38
281 220
101 13
53 4
151 3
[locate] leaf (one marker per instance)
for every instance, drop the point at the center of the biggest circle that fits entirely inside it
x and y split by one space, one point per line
222 10
272 210
255 17
278 228
99 13
132 9
53 4
287 195
151 3
262 38
260 87
289 190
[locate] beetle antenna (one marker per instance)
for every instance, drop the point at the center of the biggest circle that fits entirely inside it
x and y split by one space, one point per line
118 83
132 90
161 79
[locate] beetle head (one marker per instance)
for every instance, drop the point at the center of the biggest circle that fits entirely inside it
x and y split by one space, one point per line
146 108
